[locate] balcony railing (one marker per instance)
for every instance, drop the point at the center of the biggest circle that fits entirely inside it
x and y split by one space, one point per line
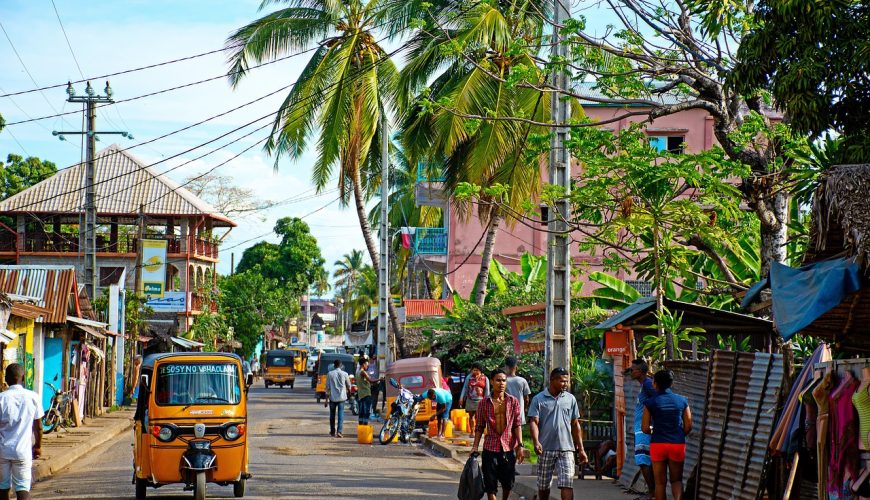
429 174
201 302
69 243
430 241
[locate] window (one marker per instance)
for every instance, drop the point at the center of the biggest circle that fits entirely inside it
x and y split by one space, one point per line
411 381
208 383
279 361
670 143
644 288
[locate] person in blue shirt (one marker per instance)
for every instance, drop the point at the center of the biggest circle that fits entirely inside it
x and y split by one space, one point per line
639 372
668 418
443 401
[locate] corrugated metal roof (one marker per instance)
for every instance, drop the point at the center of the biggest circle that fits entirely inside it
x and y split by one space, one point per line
645 304
427 307
641 305
743 391
52 286
123 183
596 92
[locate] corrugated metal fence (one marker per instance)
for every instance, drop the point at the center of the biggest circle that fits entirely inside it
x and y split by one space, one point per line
690 380
742 395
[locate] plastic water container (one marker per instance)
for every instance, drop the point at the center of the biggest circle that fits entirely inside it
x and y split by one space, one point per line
463 423
433 428
364 434
448 429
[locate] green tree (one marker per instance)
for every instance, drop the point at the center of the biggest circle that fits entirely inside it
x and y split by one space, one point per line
248 301
340 98
473 66
264 255
814 57
295 263
19 173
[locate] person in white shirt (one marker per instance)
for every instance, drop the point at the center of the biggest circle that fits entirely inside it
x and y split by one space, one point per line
20 434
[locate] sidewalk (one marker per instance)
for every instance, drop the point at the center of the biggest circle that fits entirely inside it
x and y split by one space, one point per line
459 448
64 446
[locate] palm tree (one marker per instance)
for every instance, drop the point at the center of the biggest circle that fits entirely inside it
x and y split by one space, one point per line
347 273
482 152
340 97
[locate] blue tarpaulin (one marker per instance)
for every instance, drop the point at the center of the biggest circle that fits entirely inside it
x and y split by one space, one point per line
802 295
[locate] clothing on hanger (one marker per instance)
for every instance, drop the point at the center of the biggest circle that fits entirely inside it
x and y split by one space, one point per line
843 438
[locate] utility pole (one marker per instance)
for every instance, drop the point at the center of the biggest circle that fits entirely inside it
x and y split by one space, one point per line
384 268
557 350
88 238
308 314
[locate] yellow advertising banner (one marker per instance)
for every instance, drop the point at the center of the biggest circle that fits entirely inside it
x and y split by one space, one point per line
153 268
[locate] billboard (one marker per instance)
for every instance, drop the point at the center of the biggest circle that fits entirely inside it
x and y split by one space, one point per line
528 332
153 267
170 302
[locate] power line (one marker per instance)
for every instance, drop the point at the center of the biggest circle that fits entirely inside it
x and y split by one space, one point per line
56 13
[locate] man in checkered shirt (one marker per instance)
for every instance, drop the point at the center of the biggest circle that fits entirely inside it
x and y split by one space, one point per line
499 414
554 422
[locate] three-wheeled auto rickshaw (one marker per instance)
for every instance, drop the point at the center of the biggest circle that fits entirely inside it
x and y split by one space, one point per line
279 368
191 423
417 375
327 361
300 359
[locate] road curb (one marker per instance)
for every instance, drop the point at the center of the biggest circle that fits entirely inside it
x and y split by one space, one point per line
441 449
114 426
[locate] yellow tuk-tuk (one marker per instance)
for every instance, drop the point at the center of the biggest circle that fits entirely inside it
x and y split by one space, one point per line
279 369
300 359
191 423
327 360
417 375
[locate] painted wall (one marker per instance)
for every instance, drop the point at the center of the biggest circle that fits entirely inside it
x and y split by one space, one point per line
20 350
513 240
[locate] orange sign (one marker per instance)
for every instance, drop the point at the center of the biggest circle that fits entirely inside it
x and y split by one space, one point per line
617 342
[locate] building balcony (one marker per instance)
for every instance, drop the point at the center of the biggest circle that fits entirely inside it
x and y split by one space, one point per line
430 241
429 190
425 174
69 243
202 303
422 308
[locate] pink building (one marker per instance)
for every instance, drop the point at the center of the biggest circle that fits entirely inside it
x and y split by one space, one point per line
456 249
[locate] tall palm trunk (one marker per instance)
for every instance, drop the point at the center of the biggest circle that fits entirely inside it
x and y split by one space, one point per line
359 200
486 258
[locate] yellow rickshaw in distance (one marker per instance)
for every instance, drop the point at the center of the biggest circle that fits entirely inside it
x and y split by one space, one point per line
279 368
191 423
300 360
327 360
417 375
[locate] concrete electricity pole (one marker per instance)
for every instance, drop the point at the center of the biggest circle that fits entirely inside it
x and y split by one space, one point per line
88 238
384 268
557 350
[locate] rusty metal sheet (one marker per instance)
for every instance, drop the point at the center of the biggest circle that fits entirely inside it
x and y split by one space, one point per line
743 391
690 380
53 287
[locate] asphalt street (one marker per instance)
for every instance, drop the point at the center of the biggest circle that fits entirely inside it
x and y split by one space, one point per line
291 456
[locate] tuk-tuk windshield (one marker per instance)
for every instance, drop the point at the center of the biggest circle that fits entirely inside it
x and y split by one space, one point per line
197 383
279 360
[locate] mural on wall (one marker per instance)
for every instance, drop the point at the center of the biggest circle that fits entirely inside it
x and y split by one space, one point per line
23 346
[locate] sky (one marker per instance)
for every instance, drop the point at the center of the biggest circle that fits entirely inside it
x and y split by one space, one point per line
110 36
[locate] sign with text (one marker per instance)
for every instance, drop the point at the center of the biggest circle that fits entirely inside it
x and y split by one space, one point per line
528 332
153 267
170 302
618 342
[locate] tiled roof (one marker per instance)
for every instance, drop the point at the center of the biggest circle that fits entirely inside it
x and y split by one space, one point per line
123 183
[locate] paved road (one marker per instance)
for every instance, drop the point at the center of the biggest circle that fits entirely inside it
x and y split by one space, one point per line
292 456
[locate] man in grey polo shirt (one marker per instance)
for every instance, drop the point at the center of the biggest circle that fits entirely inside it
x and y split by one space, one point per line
555 427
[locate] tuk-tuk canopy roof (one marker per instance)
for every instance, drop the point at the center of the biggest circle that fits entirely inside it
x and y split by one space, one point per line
281 352
328 358
150 359
414 364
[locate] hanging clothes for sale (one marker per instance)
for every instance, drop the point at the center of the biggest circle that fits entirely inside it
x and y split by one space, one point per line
861 400
821 394
843 439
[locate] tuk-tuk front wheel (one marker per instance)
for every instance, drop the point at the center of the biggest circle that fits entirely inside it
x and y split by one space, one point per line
199 488
239 488
141 486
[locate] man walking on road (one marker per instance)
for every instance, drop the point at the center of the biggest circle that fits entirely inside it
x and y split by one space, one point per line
337 389
499 415
20 421
639 372
517 386
554 422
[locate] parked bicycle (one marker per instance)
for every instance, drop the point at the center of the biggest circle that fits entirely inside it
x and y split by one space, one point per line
60 410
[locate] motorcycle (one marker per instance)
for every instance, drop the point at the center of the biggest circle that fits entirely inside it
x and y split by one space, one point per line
58 412
403 416
353 400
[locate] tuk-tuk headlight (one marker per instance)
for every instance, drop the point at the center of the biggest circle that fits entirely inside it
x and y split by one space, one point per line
163 433
234 431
